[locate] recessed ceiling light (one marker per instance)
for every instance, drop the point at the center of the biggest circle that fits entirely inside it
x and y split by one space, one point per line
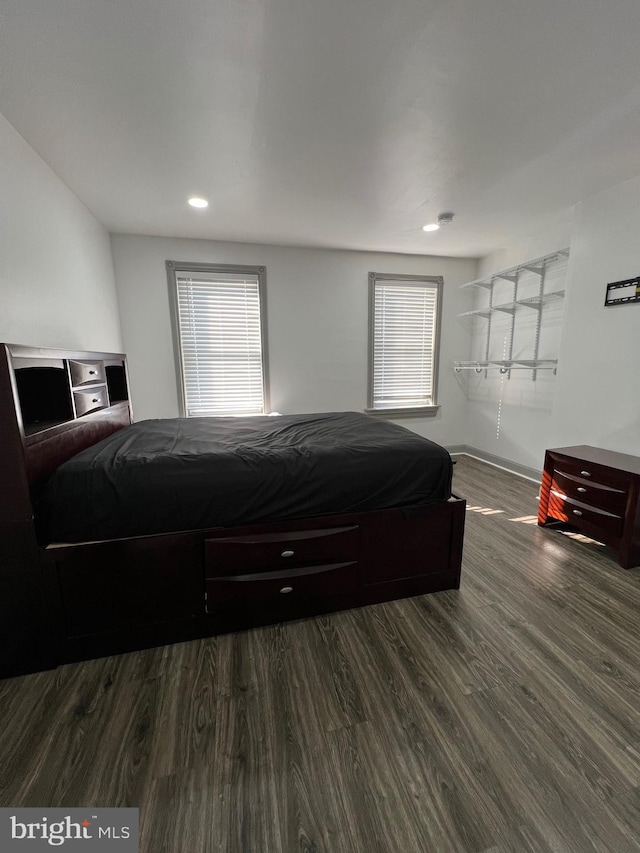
432 226
198 202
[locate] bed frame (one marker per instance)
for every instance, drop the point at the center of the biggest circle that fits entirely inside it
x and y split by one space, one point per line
67 602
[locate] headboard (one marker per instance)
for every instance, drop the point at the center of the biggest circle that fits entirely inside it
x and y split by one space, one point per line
61 402
53 404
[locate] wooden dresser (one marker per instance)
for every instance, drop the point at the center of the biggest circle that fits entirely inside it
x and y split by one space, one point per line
596 491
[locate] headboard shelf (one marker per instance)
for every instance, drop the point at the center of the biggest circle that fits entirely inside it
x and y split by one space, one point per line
57 428
17 351
38 427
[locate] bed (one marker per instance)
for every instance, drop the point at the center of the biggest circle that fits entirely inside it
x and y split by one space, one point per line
118 536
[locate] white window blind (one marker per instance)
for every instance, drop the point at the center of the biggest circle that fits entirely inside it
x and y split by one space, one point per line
221 346
404 344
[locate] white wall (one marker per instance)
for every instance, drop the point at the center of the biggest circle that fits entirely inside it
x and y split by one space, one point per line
317 302
598 395
57 289
595 397
510 416
553 236
56 273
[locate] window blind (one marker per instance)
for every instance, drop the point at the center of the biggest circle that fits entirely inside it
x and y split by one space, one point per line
220 343
404 340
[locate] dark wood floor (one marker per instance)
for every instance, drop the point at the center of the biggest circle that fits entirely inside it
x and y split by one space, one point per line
503 717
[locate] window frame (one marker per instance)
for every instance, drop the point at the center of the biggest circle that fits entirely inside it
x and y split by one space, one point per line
405 411
173 269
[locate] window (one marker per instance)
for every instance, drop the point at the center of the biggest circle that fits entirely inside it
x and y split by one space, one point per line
404 320
219 322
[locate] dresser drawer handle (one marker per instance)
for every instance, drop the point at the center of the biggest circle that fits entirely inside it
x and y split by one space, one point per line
576 512
582 489
92 372
95 400
585 473
287 554
286 589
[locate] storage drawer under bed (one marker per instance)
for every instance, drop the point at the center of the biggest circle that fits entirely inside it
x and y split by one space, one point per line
281 588
293 548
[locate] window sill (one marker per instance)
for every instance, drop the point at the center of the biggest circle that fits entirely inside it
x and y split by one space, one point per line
417 412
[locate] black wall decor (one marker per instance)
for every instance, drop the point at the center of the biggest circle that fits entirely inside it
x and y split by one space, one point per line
623 292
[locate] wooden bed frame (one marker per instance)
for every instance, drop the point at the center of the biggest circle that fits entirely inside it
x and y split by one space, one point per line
61 603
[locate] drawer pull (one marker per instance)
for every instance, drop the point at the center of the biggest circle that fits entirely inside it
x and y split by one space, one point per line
582 489
95 400
287 554
576 512
585 473
92 372
286 589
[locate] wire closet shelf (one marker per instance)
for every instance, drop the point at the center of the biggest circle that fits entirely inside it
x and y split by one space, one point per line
538 268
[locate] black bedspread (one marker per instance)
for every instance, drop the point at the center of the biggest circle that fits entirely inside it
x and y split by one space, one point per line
160 476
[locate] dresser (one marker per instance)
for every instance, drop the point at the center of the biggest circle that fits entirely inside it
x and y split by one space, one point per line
596 491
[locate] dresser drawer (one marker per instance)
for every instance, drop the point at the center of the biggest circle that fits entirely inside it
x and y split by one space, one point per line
587 491
591 472
282 588
90 400
258 552
86 372
580 514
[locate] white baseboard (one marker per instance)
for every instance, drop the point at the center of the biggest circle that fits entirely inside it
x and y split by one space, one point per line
496 461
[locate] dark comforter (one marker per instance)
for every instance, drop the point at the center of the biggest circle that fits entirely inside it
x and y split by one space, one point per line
161 476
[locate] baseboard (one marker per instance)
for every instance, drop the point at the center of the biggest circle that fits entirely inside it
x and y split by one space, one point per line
455 449
496 461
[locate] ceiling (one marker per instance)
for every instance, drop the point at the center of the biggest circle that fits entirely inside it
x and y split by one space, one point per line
345 123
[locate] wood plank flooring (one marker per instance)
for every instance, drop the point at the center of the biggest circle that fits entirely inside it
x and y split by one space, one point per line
500 718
